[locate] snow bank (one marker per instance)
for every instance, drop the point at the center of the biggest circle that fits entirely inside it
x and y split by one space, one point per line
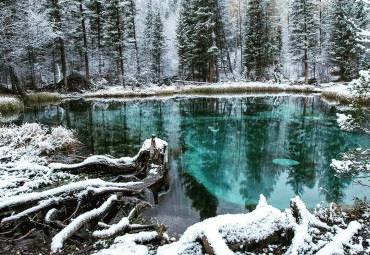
357 90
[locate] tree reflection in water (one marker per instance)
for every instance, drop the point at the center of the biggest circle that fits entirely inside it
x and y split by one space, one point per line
221 150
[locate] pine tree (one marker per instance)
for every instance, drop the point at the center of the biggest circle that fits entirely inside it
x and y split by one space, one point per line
304 32
200 39
130 30
148 41
95 16
345 46
262 43
55 16
114 36
157 45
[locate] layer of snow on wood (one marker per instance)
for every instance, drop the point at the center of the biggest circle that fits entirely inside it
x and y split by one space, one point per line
257 225
127 244
58 240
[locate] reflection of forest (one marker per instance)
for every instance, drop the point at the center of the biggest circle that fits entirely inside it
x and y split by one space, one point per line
224 146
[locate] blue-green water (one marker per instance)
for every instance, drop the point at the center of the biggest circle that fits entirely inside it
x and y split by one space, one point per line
224 151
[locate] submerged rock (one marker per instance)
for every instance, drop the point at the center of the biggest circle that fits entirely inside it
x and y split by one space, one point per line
285 162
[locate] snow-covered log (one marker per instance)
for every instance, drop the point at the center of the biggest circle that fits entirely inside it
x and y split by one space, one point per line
296 230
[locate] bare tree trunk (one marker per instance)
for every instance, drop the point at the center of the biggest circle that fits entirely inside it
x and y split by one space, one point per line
17 83
211 69
135 41
64 63
87 72
120 49
305 67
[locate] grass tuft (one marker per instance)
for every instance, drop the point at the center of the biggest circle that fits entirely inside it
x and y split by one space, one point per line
43 98
10 105
345 99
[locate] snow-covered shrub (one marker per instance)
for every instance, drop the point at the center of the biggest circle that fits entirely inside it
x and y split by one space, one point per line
361 86
31 140
354 163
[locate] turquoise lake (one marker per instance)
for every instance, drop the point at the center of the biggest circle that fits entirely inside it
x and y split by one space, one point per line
223 151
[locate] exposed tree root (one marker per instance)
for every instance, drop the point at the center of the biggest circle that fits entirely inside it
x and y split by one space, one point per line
73 205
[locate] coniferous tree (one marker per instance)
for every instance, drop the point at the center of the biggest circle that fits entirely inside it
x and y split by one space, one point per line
114 37
130 30
157 45
345 46
148 41
200 39
95 16
262 42
55 16
304 32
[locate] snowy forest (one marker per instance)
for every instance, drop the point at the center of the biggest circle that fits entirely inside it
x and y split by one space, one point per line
184 127
135 42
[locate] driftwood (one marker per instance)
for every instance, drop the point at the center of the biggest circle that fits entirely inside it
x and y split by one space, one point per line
73 205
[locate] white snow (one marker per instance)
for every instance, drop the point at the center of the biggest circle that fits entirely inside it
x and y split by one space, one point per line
227 87
58 239
345 122
31 140
343 238
116 228
257 225
127 244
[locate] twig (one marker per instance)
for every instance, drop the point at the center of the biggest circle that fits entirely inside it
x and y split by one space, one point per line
25 236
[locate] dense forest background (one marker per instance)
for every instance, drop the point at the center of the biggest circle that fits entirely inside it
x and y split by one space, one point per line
135 42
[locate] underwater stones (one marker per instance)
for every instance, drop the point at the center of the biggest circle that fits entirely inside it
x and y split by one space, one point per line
285 162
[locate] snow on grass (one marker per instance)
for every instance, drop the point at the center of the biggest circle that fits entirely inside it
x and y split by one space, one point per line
22 156
357 90
31 141
43 98
206 88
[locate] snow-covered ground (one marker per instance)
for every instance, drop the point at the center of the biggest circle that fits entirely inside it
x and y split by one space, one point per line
23 152
191 88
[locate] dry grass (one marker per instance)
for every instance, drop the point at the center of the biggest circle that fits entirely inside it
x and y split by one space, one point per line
345 99
10 105
205 90
43 98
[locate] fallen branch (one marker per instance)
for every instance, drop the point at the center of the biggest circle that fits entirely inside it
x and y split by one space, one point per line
76 224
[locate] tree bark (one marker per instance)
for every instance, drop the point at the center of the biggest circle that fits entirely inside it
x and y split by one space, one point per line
120 48
84 34
17 83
